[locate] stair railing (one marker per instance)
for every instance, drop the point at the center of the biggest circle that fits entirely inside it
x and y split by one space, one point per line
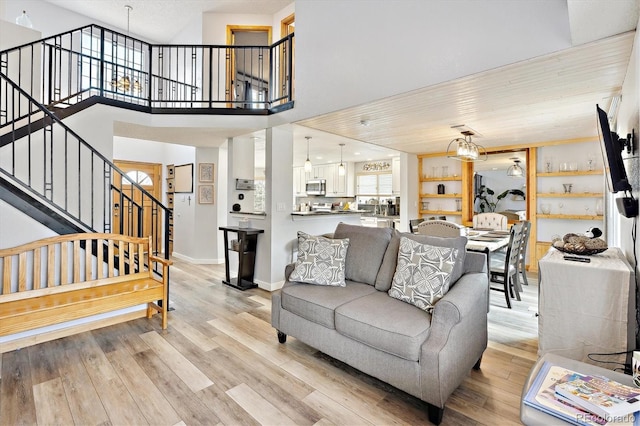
70 67
59 168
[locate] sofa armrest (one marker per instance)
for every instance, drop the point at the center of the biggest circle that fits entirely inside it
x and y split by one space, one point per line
288 270
475 262
457 339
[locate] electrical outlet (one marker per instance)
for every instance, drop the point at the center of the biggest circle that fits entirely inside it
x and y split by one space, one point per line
281 207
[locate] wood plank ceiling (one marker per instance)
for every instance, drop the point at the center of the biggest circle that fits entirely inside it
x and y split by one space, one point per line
547 98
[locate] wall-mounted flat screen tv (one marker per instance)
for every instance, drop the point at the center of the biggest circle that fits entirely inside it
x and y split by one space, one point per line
612 155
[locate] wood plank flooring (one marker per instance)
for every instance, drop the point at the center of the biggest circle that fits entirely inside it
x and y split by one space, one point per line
220 363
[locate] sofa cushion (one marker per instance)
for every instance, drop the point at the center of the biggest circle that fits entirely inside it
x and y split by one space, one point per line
423 273
384 323
320 260
388 267
367 247
318 303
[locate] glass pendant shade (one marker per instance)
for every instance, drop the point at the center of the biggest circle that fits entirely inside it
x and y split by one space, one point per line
308 167
341 170
515 170
465 150
23 20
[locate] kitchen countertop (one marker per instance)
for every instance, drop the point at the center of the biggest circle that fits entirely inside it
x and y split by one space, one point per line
331 213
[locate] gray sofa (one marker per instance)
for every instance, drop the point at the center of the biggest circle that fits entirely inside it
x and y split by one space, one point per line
424 354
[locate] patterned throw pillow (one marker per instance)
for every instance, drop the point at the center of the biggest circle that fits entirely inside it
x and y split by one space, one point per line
320 260
423 273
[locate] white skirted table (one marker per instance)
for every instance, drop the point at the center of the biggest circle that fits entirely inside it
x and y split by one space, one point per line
586 308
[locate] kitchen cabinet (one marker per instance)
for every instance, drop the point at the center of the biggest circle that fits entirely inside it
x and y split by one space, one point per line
299 182
395 176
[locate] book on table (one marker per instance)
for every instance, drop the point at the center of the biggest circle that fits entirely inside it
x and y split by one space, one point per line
599 395
542 396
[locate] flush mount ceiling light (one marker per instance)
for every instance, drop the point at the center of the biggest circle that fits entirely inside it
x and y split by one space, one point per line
463 149
124 82
341 170
308 167
515 170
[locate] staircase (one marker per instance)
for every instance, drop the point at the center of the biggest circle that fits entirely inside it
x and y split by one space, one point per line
55 176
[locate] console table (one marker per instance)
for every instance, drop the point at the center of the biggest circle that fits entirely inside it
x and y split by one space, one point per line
586 308
245 246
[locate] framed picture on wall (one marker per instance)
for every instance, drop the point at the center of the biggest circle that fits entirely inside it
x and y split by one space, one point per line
205 194
205 172
183 178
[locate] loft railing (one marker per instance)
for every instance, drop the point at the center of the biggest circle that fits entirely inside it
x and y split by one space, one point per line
68 68
57 167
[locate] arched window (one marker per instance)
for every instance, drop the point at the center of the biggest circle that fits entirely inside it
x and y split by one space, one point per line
141 178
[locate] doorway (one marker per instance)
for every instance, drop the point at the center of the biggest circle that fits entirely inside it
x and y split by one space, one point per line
287 27
495 191
127 201
247 80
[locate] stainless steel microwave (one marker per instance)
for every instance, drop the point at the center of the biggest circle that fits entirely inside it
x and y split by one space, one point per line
316 187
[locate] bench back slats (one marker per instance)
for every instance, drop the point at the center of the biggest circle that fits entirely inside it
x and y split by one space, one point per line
22 271
37 268
7 265
72 258
51 265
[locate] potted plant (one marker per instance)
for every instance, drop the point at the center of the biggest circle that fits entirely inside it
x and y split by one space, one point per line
489 203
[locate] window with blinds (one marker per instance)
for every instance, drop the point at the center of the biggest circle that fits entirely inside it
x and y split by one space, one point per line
374 184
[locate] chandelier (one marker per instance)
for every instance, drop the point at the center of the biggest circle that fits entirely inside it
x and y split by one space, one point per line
124 82
464 149
515 170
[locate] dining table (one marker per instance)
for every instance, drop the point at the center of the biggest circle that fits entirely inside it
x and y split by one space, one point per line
487 241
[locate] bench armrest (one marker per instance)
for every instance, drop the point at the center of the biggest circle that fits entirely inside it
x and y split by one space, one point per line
164 261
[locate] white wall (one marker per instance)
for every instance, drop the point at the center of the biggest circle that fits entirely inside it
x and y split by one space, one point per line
480 35
11 220
214 25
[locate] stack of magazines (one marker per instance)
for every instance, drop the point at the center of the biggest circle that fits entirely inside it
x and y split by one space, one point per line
582 399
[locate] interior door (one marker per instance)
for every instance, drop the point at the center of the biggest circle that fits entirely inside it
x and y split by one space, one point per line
287 27
133 212
247 68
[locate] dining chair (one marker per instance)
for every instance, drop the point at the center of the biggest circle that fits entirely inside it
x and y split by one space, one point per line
440 228
522 257
413 225
495 221
504 271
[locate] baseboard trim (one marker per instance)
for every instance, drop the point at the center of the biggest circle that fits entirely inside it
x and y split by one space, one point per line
269 286
197 261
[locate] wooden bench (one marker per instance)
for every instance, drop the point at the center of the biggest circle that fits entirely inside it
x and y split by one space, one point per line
73 276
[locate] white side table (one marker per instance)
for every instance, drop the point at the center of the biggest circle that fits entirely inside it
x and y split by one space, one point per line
586 308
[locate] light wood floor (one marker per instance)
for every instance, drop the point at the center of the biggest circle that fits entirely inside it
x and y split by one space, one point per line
219 362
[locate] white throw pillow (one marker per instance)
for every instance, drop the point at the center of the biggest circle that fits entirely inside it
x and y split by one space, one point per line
423 273
320 260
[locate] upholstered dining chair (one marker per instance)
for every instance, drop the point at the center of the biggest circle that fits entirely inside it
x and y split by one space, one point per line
440 228
413 225
495 221
504 271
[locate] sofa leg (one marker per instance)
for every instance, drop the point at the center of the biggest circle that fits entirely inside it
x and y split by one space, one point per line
476 366
282 337
435 414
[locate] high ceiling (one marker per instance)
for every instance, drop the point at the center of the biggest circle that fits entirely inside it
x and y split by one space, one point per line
541 99
161 20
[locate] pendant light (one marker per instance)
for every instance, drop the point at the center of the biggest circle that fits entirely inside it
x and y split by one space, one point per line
308 167
124 83
341 170
463 149
515 170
